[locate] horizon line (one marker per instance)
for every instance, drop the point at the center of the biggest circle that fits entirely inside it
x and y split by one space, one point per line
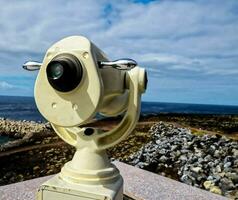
228 105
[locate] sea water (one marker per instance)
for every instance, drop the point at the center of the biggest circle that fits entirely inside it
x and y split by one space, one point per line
24 108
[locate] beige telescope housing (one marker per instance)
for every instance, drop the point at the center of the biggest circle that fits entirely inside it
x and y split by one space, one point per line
100 90
97 85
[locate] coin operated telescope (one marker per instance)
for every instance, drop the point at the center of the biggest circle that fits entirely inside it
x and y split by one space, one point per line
75 82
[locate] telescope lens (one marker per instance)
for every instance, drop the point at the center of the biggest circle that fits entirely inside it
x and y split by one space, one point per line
64 72
56 70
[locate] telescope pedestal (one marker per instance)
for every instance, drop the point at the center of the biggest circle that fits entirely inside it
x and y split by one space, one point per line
89 176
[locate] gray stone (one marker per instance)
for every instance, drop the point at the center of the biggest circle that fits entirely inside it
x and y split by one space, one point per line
163 159
217 153
212 149
227 165
226 184
210 178
232 176
235 152
201 176
174 147
196 169
228 159
216 177
186 179
200 160
184 151
162 151
210 164
208 158
183 158
236 163
218 168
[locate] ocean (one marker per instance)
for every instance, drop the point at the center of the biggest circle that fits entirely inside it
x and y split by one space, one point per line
24 108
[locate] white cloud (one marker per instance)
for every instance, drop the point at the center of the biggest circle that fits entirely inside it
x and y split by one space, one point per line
5 85
170 38
172 32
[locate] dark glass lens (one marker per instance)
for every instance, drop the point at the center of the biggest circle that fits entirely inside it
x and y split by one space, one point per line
56 70
64 72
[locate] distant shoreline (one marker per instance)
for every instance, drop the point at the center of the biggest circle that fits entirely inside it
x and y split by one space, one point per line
25 131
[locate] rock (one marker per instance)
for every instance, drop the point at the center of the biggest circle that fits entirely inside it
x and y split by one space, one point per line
163 159
162 174
226 184
216 190
208 158
212 149
174 147
217 153
186 179
227 165
184 151
50 172
200 160
210 178
196 169
232 176
178 153
201 177
210 164
228 159
222 174
162 151
235 152
141 165
183 158
20 176
218 168
208 184
36 168
216 177
236 163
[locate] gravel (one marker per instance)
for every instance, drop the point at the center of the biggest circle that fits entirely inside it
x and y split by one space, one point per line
209 161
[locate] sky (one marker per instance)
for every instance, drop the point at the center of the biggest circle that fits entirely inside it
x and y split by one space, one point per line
189 48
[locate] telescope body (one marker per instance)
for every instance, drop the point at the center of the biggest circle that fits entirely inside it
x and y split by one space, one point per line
75 82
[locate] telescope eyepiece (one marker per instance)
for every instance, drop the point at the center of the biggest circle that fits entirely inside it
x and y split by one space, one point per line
64 72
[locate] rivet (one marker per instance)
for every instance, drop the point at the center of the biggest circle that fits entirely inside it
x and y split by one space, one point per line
75 106
85 55
53 105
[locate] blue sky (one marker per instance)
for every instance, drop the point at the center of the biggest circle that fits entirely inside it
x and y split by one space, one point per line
189 48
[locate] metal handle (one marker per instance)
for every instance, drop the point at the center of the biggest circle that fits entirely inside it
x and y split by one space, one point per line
121 64
31 65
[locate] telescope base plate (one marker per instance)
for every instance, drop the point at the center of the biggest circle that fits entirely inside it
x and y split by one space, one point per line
56 188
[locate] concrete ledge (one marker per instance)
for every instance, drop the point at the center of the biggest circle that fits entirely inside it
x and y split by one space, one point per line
138 184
